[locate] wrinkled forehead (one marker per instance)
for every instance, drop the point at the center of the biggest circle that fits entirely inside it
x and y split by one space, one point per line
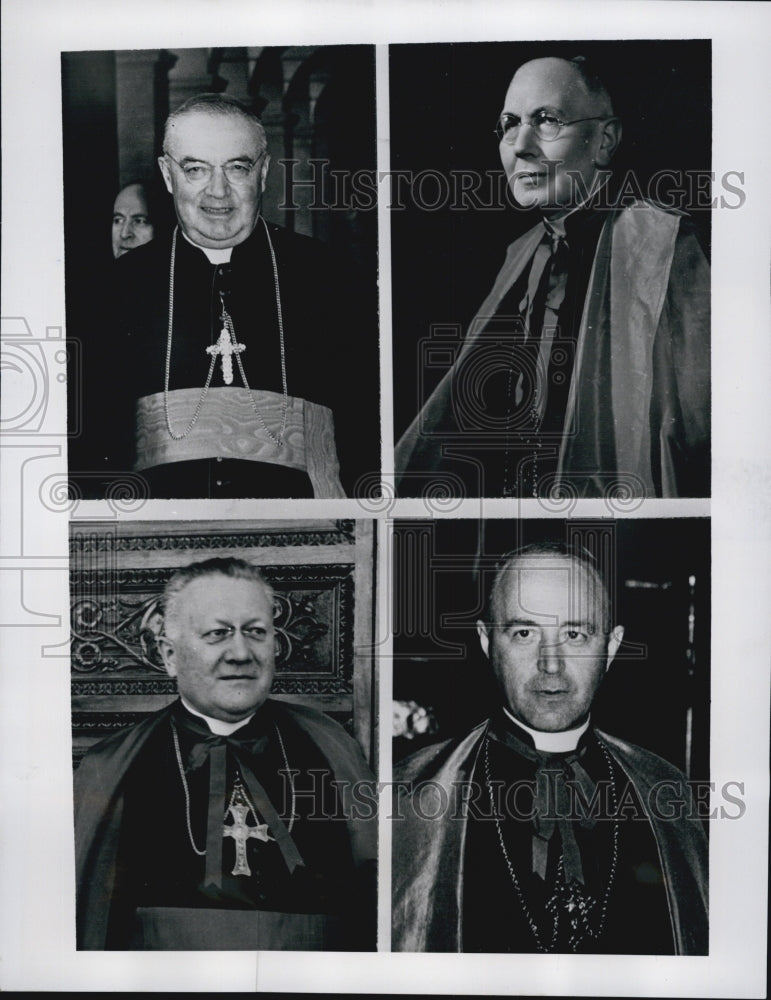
207 134
217 594
549 590
553 84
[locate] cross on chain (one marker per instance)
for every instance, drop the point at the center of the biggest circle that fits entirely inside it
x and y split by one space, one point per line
241 831
226 347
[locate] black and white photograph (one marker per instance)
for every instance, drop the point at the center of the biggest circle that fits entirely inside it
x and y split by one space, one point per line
551 692
215 673
215 352
385 463
551 282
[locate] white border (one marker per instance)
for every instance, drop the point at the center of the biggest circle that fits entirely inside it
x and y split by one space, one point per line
36 878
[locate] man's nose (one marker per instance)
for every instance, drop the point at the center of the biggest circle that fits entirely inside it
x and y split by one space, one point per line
127 230
526 141
218 185
238 647
550 656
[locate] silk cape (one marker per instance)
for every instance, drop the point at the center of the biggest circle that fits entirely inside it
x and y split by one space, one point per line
649 292
99 806
429 853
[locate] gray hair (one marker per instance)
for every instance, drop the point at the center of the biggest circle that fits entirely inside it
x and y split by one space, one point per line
591 80
235 569
215 104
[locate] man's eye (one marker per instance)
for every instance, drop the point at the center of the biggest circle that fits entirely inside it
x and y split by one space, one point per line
117 221
140 220
509 122
194 171
256 633
239 169
542 118
523 633
575 636
217 633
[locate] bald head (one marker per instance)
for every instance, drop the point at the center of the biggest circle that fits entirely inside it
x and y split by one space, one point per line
574 568
549 636
558 133
572 79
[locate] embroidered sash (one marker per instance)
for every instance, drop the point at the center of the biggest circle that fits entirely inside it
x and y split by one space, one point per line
228 427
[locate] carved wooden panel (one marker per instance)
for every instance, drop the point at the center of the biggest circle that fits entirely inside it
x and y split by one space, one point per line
118 571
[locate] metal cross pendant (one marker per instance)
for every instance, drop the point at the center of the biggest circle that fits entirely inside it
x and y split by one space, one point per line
241 831
226 347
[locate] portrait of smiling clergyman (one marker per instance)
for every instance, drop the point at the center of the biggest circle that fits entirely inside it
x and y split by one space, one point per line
214 361
224 821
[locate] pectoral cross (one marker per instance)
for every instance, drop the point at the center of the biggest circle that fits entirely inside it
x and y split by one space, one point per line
241 831
226 347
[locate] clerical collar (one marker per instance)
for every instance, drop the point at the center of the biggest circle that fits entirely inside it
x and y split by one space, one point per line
215 257
562 742
561 227
217 726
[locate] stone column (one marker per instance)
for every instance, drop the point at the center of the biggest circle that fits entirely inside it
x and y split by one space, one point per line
135 97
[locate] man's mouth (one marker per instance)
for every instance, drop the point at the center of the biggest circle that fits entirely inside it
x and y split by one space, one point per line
529 176
210 210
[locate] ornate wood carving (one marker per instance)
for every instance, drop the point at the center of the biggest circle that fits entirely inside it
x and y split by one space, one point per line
322 614
341 532
115 621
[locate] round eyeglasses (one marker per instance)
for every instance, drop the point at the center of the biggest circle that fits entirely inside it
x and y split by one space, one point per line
545 126
199 172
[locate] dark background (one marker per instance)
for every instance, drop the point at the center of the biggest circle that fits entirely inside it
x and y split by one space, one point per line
342 131
317 104
445 100
656 675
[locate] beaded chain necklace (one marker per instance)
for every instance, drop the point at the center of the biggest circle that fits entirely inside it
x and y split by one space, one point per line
568 899
239 787
227 347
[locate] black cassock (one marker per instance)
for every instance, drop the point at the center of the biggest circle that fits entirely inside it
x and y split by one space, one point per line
161 866
330 362
619 907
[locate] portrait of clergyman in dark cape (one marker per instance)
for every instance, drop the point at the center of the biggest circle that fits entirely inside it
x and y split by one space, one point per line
537 830
226 820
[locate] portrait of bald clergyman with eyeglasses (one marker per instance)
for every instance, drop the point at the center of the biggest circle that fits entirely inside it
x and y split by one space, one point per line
588 362
223 369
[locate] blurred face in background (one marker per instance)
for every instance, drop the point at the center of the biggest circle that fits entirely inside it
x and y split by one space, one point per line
131 225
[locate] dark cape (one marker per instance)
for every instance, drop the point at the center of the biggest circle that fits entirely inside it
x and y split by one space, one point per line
103 777
430 829
637 414
329 329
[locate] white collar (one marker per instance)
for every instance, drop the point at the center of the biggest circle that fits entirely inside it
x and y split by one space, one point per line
217 726
562 742
215 256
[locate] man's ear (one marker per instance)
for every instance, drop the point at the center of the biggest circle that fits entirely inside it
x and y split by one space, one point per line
165 170
484 636
610 139
166 647
264 171
614 641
